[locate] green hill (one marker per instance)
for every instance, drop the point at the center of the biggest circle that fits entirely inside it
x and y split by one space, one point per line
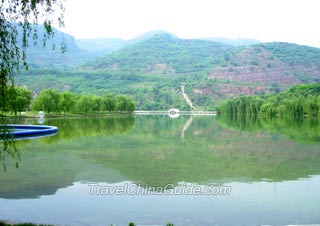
104 46
294 54
152 68
271 63
166 53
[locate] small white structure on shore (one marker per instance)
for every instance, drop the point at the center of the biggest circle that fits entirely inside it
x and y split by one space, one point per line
41 114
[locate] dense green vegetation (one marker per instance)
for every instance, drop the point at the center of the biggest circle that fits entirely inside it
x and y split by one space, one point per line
52 101
18 99
149 92
297 102
18 20
151 70
163 50
294 54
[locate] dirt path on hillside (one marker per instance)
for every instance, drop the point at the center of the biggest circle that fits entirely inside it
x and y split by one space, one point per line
185 96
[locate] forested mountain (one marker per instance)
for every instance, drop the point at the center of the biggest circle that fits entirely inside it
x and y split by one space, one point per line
104 46
153 67
268 63
166 53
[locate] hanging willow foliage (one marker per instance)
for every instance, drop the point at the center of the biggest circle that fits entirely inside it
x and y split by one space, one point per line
23 16
18 26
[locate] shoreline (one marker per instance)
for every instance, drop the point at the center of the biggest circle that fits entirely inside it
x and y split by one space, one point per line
57 116
13 223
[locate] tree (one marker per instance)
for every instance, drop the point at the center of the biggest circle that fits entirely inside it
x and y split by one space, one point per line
67 101
125 103
19 99
48 100
97 103
311 106
297 102
23 15
84 104
131 105
109 103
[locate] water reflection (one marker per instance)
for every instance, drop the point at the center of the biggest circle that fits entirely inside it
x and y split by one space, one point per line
156 155
156 151
302 130
9 152
48 164
78 127
269 169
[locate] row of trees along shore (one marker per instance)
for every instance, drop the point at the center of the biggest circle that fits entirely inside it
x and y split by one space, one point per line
19 99
298 101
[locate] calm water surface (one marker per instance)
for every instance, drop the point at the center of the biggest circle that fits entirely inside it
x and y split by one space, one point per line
272 169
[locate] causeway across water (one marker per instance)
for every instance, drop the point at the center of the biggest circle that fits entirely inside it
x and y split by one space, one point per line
180 112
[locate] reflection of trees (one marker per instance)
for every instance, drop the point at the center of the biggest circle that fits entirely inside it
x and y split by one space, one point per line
7 146
304 130
68 128
153 154
8 150
72 128
208 152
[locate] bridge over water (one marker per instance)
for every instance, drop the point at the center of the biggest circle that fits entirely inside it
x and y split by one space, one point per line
174 112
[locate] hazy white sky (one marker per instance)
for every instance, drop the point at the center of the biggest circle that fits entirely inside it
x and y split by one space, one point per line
267 20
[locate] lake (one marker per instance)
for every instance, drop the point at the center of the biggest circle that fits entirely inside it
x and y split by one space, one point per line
153 170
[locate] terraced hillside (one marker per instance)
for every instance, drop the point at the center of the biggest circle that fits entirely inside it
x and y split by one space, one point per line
261 64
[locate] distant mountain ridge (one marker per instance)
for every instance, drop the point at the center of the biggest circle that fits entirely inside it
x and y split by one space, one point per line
234 41
109 45
101 46
264 63
164 51
79 51
51 56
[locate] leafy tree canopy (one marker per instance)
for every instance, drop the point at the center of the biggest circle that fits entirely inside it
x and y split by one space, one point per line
298 102
24 15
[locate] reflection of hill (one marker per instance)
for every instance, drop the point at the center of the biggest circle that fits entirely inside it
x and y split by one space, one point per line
44 171
208 152
78 127
303 130
46 168
154 153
